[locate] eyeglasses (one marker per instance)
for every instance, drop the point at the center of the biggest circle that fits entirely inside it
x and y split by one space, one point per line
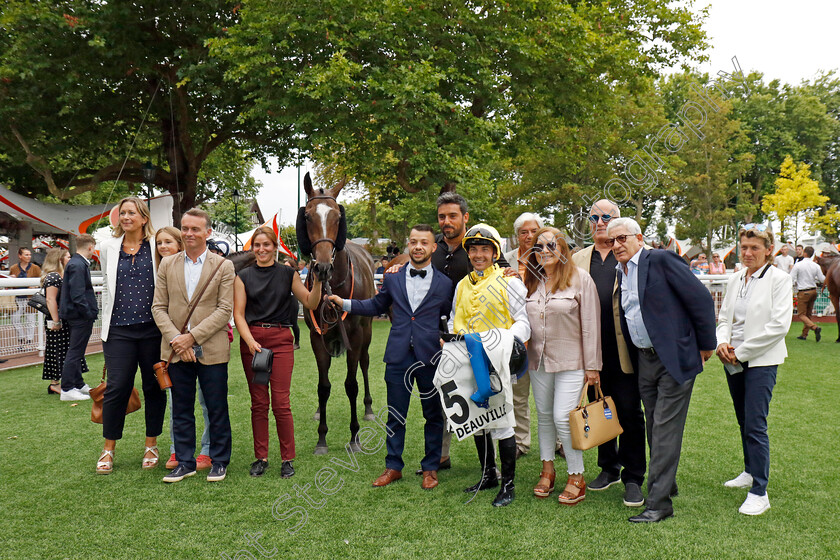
551 246
756 227
604 218
620 238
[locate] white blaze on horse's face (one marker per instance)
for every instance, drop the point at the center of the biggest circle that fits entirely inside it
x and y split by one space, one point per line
323 210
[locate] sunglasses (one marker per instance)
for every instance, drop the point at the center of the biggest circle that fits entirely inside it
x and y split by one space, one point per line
477 231
551 246
604 218
620 238
756 227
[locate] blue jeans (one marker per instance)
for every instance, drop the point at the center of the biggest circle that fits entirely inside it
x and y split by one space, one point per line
751 391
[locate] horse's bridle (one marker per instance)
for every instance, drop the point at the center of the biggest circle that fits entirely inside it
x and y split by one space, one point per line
323 239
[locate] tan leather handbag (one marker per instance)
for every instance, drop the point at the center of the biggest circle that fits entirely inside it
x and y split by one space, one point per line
594 423
97 394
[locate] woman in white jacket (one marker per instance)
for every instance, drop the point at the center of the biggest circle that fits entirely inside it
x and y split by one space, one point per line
752 324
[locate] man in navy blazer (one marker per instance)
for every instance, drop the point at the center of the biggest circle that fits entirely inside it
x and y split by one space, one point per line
418 296
668 321
78 308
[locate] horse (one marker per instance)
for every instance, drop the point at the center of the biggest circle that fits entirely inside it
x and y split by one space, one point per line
241 259
346 270
830 265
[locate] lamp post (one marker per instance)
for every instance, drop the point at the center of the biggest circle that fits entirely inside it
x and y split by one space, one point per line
236 219
149 173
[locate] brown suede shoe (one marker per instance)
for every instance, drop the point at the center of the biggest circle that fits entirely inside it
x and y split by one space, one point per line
430 480
387 477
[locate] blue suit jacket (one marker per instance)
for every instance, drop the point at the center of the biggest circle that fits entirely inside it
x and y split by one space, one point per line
77 301
678 312
421 327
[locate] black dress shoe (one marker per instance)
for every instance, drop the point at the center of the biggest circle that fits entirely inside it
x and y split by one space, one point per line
258 467
802 337
818 333
286 470
652 516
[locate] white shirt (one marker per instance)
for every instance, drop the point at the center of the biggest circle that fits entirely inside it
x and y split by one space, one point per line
192 272
806 273
742 303
631 303
783 262
418 287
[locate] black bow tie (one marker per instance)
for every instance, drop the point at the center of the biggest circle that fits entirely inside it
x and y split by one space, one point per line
414 272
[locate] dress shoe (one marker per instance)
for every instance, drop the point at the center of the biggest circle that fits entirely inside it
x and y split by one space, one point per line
73 395
545 486
203 462
818 336
604 481
258 467
217 473
387 477
178 474
430 480
755 504
652 516
172 462
633 495
445 464
287 470
567 498
743 480
802 337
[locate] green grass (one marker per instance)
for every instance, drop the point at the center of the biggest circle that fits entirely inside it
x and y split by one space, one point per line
54 506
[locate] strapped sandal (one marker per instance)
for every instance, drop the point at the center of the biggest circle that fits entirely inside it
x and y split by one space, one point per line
105 467
151 462
545 486
569 499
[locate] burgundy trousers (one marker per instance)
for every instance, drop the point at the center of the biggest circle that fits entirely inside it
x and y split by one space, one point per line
279 340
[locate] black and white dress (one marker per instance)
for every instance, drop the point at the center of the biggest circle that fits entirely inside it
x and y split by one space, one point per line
57 341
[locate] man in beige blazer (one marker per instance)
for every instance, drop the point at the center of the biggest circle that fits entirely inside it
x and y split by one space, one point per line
622 459
202 351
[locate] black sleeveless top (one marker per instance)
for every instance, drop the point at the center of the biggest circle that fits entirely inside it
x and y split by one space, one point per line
269 291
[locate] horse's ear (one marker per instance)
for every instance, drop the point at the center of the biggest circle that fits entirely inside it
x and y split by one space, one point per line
337 189
307 185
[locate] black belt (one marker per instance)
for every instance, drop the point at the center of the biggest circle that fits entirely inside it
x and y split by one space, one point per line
267 325
649 352
807 289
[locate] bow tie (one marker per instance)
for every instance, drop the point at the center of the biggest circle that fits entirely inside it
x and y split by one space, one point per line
414 272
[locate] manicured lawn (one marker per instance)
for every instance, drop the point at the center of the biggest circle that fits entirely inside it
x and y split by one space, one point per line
54 506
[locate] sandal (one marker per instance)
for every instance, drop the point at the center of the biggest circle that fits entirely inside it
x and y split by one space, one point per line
151 462
545 486
568 498
105 467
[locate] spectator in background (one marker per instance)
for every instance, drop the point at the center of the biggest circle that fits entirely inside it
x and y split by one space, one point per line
525 228
800 254
700 265
379 267
783 261
24 317
302 270
806 274
717 266
78 308
57 333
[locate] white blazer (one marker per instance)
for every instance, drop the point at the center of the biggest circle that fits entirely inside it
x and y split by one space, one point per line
769 315
109 258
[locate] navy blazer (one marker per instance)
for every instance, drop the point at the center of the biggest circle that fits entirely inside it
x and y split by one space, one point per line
77 302
678 311
421 327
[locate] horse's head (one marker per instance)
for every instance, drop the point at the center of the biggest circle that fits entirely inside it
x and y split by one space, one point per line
321 227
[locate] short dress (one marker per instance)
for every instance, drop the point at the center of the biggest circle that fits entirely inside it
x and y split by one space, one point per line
57 341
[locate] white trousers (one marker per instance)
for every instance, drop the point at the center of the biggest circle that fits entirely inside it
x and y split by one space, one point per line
556 395
24 320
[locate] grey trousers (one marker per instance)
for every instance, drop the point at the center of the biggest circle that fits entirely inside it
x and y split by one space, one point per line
666 408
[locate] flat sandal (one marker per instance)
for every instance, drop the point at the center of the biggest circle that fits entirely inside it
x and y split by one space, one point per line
151 462
105 467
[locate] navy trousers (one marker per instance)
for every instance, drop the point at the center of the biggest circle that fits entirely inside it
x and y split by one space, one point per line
71 370
751 391
399 381
213 381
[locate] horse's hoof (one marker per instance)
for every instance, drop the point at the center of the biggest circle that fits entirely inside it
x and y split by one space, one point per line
317 416
320 450
354 447
370 417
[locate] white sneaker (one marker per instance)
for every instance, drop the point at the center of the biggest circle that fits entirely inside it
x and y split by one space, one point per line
754 504
73 395
743 480
85 389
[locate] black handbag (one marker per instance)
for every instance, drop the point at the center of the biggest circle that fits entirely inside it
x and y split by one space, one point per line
261 366
39 302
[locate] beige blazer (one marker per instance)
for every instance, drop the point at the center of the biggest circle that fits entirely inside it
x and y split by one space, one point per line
210 318
582 259
109 258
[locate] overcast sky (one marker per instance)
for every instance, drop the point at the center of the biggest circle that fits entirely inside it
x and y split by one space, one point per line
782 39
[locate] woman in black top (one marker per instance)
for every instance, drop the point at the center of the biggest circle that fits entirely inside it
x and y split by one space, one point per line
263 309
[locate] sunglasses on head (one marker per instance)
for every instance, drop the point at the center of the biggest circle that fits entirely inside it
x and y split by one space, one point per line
620 238
604 218
551 246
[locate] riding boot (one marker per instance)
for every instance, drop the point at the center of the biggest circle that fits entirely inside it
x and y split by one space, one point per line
507 454
487 458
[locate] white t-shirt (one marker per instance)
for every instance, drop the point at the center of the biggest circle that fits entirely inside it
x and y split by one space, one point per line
783 262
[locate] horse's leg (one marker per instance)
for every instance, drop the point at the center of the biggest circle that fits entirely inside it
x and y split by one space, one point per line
323 359
364 362
351 386
835 301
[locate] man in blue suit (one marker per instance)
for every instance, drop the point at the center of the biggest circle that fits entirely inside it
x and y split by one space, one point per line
418 296
668 322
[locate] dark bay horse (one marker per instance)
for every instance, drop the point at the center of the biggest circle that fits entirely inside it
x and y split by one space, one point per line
830 264
346 270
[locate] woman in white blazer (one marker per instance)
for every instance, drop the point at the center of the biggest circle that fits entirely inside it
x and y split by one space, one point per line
130 337
754 319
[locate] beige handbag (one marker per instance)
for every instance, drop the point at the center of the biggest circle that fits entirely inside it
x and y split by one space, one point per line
595 423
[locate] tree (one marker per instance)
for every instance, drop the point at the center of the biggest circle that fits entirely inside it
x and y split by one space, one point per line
89 90
798 197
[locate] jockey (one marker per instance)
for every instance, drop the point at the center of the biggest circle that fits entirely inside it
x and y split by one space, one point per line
487 299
